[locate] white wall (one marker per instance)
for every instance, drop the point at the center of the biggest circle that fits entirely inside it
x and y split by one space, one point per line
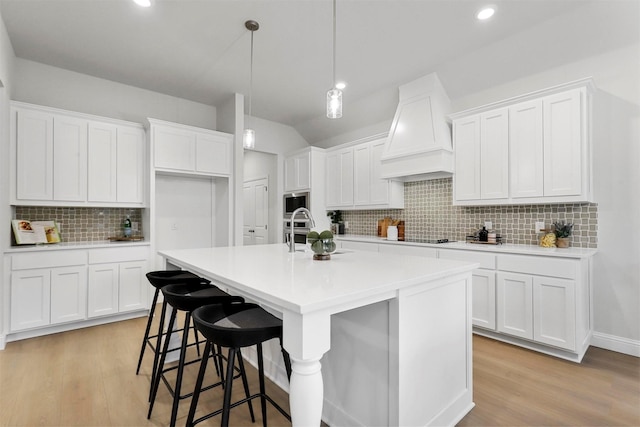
265 165
55 87
7 59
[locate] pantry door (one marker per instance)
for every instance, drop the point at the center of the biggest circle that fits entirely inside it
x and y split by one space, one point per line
256 212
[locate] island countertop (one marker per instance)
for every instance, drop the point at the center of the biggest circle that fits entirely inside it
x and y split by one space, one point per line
296 282
424 304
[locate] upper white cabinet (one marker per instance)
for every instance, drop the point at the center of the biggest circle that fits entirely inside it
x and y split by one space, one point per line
529 149
186 149
72 159
354 179
297 171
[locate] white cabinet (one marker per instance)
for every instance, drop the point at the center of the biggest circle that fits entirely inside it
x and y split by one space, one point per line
339 178
359 246
45 295
530 149
117 282
515 304
554 316
74 159
116 163
187 149
403 249
297 171
354 178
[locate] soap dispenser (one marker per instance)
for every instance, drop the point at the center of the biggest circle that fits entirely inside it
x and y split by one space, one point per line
483 235
126 225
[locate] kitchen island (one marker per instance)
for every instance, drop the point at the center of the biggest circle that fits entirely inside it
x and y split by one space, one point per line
428 330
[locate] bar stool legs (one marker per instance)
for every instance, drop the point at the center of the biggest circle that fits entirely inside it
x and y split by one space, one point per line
145 340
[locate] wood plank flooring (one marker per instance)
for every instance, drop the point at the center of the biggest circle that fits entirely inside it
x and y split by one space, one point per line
87 378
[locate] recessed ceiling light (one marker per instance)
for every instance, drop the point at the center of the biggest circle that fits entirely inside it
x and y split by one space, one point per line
143 3
341 85
485 13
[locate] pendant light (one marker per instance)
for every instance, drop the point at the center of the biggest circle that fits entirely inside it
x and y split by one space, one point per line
334 95
249 135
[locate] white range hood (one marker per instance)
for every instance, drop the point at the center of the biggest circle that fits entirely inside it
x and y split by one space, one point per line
419 143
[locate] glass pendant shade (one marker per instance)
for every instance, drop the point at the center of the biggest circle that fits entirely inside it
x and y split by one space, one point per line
334 103
249 139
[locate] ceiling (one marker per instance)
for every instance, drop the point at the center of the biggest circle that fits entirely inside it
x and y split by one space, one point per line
199 50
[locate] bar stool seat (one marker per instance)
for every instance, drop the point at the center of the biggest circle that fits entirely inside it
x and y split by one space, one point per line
236 326
184 297
158 279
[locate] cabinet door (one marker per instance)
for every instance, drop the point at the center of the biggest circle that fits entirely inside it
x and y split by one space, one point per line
484 299
526 149
467 158
297 172
68 294
34 155
515 304
378 187
345 175
132 289
361 175
332 180
30 299
102 290
69 159
130 165
563 152
213 154
102 160
494 154
174 148
554 312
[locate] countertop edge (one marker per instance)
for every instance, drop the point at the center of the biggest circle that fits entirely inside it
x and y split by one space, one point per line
72 246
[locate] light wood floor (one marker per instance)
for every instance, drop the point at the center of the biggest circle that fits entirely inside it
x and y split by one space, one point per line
87 378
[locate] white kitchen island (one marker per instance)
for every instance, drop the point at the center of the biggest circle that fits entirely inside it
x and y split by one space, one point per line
429 363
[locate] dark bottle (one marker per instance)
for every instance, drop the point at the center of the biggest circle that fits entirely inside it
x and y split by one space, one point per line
483 235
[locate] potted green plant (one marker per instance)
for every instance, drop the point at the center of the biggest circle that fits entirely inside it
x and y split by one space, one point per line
336 218
563 232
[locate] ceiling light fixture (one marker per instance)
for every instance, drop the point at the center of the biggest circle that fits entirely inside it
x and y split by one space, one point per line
143 3
249 135
485 13
334 95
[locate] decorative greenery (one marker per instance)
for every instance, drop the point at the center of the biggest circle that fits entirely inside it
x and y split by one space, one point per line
562 229
336 216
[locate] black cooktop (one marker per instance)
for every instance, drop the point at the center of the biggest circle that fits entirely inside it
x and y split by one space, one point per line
428 240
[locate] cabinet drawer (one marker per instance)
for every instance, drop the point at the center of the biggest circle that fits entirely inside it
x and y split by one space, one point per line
102 256
487 261
408 250
541 266
48 260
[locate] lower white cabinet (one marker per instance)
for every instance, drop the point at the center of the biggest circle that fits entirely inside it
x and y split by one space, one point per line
116 285
483 306
515 304
68 286
554 312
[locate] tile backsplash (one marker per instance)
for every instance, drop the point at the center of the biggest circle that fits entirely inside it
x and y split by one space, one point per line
429 213
83 224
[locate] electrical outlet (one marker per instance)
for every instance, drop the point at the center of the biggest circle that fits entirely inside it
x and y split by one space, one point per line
174 226
346 224
134 226
539 226
488 225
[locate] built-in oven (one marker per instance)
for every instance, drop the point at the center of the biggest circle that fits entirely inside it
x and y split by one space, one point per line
293 201
300 231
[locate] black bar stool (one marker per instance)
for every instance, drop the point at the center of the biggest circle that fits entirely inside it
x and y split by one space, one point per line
184 297
158 279
235 326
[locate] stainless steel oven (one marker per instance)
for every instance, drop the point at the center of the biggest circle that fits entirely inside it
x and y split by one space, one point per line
293 201
300 232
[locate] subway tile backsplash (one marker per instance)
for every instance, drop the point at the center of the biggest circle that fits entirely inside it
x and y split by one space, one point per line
429 213
83 224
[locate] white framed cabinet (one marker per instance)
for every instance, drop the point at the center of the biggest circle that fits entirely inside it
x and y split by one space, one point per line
72 159
47 289
186 149
117 282
530 149
297 171
354 178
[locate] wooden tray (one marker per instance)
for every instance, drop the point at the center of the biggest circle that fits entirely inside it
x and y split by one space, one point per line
126 239
484 243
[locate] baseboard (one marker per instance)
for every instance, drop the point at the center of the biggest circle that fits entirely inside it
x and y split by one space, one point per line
3 341
615 343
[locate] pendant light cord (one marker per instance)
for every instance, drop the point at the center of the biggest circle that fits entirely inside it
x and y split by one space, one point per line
334 43
251 77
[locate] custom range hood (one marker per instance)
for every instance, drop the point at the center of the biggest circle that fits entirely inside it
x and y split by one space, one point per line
419 143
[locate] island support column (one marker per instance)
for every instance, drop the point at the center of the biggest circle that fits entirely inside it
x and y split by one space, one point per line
306 338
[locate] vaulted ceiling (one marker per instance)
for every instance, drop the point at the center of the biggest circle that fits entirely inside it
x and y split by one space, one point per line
199 50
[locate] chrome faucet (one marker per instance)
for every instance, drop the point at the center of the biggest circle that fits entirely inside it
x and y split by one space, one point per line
312 223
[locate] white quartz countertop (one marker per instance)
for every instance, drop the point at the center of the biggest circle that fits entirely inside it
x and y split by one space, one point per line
298 283
74 245
498 249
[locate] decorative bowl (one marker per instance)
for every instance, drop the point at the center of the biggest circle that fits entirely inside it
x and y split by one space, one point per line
322 248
